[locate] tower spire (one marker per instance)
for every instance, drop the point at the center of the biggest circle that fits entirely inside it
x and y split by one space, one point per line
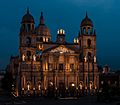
27 10
86 15
42 19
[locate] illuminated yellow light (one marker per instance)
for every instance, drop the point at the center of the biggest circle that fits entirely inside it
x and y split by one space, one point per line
39 87
90 86
34 58
28 87
23 57
51 83
81 86
94 59
22 88
61 31
95 87
85 58
43 39
58 32
33 88
75 40
73 84
46 39
61 52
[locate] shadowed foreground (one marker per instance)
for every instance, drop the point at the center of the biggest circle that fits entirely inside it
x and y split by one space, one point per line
86 100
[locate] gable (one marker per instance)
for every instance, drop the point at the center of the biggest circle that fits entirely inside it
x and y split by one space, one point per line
62 49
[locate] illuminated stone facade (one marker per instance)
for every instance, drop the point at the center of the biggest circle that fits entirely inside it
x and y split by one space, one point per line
46 66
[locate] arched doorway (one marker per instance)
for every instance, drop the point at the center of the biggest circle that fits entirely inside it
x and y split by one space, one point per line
91 87
72 90
50 90
81 88
61 89
28 88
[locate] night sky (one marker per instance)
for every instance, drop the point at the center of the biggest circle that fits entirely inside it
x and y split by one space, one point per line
66 14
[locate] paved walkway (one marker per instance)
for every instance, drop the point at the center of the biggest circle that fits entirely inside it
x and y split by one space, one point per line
86 100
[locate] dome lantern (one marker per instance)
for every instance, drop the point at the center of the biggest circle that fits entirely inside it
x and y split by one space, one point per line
86 21
27 18
86 26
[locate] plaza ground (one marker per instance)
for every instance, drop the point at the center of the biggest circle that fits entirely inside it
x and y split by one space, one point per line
85 100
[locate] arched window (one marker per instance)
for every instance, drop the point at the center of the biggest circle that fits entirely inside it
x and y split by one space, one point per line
32 26
41 39
28 41
28 55
89 42
28 28
89 54
48 39
89 31
84 30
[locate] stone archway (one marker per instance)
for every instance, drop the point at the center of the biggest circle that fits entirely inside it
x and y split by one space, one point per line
61 89
50 89
72 89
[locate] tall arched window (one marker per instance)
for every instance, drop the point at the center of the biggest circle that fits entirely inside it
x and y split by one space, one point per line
84 30
89 42
41 39
28 55
89 31
89 54
28 28
28 41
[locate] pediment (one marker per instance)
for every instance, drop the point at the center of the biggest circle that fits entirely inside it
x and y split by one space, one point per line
62 49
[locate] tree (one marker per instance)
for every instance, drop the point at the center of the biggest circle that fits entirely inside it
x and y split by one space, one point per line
7 82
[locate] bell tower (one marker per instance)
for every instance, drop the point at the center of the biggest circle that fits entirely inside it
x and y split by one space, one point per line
27 51
87 42
27 39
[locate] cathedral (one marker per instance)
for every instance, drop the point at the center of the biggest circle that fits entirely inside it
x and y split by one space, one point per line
60 67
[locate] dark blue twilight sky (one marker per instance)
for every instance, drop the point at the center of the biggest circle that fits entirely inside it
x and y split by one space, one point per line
66 14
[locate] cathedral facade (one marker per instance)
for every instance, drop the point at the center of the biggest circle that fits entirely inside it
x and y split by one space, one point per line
46 66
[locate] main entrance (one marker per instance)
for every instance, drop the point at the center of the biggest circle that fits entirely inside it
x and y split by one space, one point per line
61 89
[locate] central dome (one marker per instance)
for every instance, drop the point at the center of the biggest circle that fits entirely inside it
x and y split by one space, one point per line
42 29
